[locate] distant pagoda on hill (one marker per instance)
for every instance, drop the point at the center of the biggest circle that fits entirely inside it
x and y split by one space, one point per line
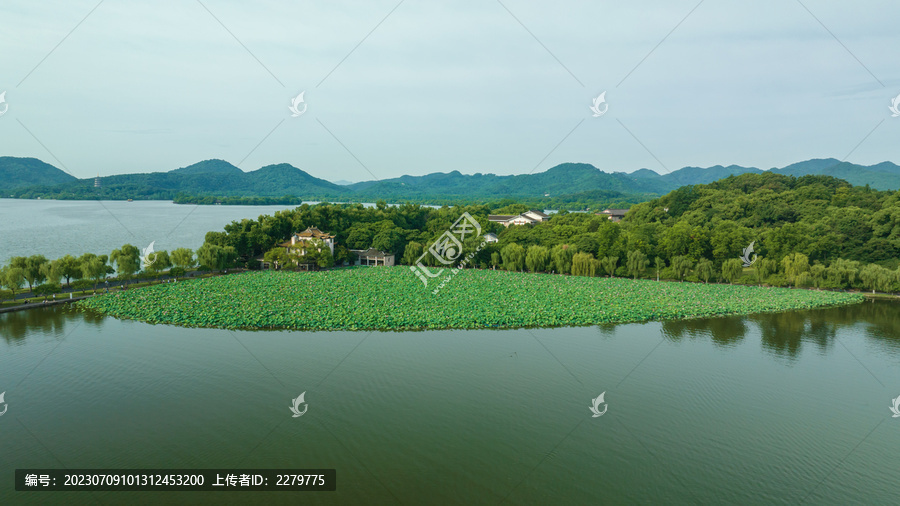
97 181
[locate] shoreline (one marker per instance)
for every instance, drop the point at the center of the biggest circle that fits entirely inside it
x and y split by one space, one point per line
388 299
47 303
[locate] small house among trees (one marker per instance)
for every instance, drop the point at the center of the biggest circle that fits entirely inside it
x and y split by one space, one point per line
526 218
373 257
615 215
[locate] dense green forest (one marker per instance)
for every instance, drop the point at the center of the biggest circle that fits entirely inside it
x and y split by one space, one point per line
814 231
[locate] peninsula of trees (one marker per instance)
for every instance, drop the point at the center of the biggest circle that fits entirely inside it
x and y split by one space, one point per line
809 231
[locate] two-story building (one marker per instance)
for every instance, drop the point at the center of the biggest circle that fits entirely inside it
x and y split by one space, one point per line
302 239
526 218
614 214
372 257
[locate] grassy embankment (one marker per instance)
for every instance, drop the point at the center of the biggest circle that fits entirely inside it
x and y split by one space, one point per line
394 299
38 299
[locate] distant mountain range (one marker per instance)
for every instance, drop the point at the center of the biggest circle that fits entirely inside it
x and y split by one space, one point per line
32 178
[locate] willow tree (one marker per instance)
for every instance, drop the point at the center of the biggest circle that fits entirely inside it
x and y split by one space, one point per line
637 262
411 253
93 267
817 273
52 272
561 257
763 268
794 264
660 265
215 257
12 278
183 258
705 269
732 270
537 258
127 260
583 264
683 264
513 257
841 270
31 268
161 261
876 277
609 265
70 268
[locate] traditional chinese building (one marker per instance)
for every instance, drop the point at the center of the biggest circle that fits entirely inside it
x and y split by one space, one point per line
302 239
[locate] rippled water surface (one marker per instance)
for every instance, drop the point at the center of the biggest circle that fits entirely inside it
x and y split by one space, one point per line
765 409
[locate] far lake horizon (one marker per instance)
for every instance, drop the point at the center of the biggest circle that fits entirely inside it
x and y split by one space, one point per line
75 227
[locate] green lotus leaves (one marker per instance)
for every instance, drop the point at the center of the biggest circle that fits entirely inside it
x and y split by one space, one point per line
392 298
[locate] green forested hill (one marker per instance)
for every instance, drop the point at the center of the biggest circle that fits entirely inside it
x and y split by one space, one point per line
572 185
563 179
820 216
210 177
569 178
213 166
883 176
22 172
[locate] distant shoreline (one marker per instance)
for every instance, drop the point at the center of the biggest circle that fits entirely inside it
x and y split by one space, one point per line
248 204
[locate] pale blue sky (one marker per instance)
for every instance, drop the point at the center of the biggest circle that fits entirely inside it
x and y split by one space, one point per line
440 87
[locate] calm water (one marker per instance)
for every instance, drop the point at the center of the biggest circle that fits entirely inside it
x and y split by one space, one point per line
765 409
54 228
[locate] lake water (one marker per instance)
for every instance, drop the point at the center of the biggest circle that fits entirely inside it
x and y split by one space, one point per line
780 408
54 228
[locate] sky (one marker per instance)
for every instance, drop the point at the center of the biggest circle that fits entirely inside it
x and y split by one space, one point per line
414 87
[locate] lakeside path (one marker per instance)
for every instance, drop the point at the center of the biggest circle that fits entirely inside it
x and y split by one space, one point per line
392 298
35 305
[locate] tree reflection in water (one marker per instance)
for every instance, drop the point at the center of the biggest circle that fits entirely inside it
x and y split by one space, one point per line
784 334
50 321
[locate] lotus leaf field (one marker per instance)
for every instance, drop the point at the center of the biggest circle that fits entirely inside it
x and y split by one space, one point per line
392 298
